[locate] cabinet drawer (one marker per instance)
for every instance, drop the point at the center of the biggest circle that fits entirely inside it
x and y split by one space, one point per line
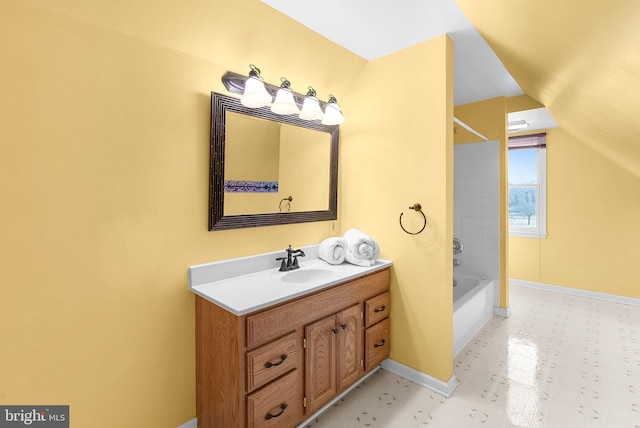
376 309
277 405
272 360
376 344
262 327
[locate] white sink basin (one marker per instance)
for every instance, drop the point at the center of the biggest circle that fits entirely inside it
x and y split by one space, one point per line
307 275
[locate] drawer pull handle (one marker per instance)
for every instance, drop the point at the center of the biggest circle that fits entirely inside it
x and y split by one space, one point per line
282 408
335 330
344 326
378 345
380 309
269 364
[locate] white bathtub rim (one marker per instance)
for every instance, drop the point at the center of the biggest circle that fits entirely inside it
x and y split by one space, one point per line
482 284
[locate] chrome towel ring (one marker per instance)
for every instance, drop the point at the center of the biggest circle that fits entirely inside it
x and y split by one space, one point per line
416 207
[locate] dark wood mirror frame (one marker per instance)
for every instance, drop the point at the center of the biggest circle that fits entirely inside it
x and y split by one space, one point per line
220 105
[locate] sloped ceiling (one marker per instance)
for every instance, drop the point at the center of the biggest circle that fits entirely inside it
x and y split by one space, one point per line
375 28
580 59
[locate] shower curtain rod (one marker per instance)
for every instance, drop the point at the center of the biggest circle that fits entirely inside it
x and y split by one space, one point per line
470 129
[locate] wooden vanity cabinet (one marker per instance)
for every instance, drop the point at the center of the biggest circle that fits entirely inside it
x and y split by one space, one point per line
277 366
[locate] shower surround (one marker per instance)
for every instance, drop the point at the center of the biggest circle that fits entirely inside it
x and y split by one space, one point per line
476 219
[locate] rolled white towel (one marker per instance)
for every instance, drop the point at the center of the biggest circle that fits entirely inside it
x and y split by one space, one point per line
361 249
332 250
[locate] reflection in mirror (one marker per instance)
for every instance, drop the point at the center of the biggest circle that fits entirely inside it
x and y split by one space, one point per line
267 161
268 169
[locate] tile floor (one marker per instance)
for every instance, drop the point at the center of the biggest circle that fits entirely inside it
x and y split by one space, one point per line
559 361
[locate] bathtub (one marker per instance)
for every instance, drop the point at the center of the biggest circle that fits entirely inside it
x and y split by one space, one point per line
473 302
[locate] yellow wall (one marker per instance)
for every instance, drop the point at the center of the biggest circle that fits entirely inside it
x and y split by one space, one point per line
397 149
592 224
305 157
104 157
251 153
104 182
489 118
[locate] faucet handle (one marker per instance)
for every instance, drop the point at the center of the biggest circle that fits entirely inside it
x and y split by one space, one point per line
283 265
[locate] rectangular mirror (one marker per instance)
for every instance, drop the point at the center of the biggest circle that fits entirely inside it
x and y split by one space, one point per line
269 169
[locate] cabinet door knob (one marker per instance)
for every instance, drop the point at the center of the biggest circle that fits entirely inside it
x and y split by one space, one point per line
377 345
380 309
335 330
269 364
282 408
344 326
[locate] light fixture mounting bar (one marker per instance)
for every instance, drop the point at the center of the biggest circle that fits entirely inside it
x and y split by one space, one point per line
234 83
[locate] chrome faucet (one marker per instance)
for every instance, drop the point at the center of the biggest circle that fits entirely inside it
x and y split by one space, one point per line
291 261
458 246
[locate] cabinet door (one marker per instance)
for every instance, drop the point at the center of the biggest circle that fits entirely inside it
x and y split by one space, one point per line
350 365
320 368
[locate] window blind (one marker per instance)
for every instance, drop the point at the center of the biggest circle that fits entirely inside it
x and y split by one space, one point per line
533 141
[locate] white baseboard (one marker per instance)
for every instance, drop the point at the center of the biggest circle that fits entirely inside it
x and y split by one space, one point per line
193 423
502 312
422 379
577 292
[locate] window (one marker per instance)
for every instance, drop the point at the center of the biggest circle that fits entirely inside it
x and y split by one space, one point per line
527 186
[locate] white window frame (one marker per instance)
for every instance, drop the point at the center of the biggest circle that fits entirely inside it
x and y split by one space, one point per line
540 231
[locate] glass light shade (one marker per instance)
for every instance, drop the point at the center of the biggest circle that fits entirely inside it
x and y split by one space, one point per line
311 109
255 94
284 102
332 115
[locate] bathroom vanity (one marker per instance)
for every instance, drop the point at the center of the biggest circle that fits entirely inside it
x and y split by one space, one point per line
276 359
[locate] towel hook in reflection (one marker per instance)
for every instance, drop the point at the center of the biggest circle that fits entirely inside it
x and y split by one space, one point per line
417 207
288 207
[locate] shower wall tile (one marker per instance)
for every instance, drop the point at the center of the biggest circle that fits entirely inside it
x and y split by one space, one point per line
476 206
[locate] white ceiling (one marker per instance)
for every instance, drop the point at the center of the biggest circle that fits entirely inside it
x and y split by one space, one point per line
374 28
537 119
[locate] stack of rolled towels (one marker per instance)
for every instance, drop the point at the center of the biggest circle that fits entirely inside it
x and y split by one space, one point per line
355 247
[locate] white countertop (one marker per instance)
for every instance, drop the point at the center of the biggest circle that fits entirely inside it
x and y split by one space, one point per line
247 284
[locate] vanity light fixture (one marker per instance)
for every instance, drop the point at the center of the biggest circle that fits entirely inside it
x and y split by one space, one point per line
332 113
284 102
255 93
311 106
517 125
